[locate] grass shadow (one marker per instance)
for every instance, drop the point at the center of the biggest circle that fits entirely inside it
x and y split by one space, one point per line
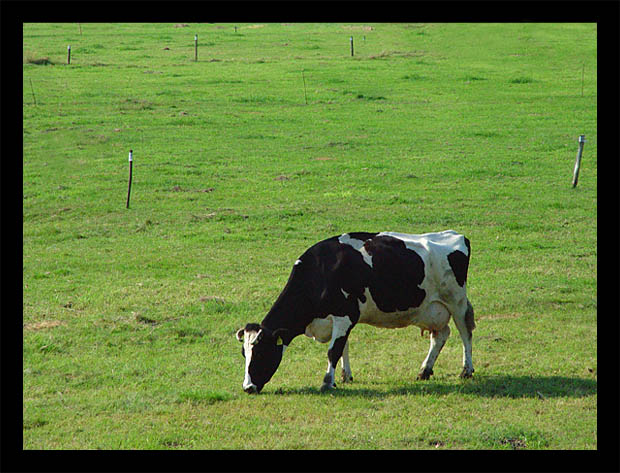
506 386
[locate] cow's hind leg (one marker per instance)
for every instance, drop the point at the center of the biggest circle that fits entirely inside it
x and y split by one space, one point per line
340 331
465 324
438 340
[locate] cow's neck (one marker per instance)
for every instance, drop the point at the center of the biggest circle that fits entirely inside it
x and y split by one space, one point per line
292 311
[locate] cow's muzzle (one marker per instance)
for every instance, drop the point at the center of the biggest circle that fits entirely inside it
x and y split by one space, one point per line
251 389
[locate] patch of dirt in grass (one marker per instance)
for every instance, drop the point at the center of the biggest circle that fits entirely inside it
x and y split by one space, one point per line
144 226
144 320
522 80
38 61
515 444
385 54
219 300
499 316
33 326
180 189
358 27
135 104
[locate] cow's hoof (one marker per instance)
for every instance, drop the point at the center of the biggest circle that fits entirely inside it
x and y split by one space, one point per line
327 387
466 373
346 378
425 373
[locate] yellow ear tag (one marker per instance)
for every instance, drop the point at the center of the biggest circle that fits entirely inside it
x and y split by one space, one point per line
279 341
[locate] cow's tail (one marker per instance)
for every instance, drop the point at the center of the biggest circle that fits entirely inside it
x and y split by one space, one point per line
469 317
469 314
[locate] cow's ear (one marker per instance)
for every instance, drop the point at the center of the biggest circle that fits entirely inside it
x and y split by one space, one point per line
240 334
279 335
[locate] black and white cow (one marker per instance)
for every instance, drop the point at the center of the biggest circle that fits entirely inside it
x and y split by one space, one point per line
385 279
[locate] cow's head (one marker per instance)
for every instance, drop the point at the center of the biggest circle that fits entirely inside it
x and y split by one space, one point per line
262 349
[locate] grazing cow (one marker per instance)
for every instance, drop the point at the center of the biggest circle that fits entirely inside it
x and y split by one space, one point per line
386 279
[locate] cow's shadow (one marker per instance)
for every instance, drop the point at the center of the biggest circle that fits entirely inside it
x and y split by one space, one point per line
506 386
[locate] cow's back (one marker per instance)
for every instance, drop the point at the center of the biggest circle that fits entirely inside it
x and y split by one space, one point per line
413 277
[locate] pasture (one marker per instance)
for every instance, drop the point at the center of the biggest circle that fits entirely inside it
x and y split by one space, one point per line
129 315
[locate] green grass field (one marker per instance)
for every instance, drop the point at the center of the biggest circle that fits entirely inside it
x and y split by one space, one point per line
129 314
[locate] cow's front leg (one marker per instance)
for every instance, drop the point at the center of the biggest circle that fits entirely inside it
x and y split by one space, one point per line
341 326
346 367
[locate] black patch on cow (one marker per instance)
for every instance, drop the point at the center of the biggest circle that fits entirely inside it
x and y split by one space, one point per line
469 318
341 268
459 264
314 286
335 352
251 327
397 273
266 357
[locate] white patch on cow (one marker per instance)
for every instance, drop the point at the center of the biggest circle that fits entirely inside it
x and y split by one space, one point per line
346 366
358 245
430 315
440 243
253 338
328 329
345 293
247 348
435 317
297 262
459 321
320 330
438 339
366 256
340 325
346 239
371 314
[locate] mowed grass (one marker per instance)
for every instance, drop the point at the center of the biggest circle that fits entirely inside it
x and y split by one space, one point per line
129 314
